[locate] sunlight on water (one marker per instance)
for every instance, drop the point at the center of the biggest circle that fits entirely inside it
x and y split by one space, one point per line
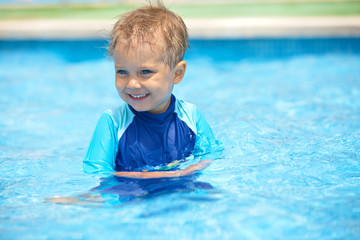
290 169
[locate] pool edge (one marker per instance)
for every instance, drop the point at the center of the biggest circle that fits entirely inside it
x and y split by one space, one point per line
245 27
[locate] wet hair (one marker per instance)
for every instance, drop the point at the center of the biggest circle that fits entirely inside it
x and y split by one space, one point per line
144 24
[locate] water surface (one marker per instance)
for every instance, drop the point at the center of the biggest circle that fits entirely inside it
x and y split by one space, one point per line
286 110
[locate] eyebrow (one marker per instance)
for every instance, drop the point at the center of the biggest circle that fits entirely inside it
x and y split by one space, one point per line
141 66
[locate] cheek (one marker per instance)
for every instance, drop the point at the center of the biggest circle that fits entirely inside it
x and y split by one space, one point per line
118 84
167 81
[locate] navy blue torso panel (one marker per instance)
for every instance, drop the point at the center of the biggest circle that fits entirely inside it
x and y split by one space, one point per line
154 139
127 140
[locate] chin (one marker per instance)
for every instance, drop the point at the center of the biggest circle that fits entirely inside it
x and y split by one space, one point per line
140 108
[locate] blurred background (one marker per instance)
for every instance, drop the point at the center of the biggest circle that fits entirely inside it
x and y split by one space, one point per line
205 18
193 8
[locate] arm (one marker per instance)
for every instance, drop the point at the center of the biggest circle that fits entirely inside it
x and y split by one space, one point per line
206 142
166 174
102 148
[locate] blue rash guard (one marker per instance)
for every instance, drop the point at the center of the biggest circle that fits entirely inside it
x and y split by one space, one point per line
127 140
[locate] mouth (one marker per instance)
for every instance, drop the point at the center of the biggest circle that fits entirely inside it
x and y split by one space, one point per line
138 97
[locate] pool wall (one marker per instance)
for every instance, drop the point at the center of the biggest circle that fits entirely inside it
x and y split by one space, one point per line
258 48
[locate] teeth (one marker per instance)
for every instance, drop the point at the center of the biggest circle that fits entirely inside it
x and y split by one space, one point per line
138 96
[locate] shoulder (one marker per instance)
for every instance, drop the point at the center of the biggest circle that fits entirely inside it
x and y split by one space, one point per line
116 119
188 113
185 108
119 117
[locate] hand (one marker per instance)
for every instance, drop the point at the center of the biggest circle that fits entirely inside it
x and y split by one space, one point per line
81 199
64 200
196 167
145 175
166 174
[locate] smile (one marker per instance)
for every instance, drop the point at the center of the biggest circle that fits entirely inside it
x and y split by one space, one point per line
138 96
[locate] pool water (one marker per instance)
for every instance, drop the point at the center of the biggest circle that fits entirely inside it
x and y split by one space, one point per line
286 110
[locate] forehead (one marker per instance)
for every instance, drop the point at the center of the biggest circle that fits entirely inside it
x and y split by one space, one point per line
139 48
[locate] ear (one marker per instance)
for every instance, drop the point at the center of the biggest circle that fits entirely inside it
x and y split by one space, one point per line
179 71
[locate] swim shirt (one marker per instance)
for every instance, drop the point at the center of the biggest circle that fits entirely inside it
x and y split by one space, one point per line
127 140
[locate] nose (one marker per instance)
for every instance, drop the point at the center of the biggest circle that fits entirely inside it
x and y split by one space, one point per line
133 83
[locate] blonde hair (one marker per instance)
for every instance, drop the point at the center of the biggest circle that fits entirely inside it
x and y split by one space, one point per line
142 25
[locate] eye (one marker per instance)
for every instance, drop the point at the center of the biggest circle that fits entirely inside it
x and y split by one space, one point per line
121 72
146 72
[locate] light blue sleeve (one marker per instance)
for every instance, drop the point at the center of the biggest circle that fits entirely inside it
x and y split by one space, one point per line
206 145
100 157
205 139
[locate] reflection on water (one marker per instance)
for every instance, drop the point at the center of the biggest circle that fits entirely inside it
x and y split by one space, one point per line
128 189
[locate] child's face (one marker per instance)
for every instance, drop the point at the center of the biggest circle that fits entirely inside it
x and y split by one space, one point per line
143 80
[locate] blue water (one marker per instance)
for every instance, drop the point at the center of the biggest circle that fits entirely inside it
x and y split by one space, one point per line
286 110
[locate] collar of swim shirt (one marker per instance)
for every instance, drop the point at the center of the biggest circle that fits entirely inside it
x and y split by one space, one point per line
157 118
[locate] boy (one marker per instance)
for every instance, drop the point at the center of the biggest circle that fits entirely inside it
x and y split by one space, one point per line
152 130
